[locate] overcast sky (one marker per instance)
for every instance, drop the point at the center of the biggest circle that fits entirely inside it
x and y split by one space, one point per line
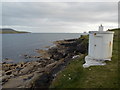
51 17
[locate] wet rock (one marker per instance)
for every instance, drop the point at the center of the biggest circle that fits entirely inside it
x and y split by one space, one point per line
9 72
52 50
3 62
41 70
3 72
26 56
49 66
51 61
30 83
5 78
20 66
26 70
44 54
7 59
58 56
6 67
15 82
15 73
36 56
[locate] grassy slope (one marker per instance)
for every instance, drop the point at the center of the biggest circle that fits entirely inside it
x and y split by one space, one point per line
11 31
75 76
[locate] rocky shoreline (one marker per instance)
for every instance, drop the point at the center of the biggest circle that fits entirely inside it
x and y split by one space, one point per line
40 73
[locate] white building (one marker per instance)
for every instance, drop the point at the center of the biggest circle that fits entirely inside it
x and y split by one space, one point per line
100 47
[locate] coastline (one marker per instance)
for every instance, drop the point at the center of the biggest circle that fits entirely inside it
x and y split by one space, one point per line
40 73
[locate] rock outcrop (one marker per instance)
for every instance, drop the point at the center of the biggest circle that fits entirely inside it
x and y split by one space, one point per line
31 74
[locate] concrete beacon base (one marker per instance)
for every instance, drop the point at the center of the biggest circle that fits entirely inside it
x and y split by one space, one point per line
89 61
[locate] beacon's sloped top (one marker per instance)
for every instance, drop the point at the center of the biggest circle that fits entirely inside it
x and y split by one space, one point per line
101 32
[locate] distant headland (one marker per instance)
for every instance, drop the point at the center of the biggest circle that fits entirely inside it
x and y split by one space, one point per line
10 31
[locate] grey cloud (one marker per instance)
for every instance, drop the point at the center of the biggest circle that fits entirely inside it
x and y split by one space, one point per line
61 15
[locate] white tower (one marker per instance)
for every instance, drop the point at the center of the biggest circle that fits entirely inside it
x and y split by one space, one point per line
101 28
100 47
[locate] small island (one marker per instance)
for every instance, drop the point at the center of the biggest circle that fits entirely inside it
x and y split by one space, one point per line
10 31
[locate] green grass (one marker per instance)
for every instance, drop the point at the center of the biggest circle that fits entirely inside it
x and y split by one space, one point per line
75 76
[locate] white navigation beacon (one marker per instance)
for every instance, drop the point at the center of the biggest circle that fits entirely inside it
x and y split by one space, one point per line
100 47
101 28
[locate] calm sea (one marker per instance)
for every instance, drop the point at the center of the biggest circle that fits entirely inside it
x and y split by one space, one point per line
14 46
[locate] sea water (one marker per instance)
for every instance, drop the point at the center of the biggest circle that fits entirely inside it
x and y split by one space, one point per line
14 46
